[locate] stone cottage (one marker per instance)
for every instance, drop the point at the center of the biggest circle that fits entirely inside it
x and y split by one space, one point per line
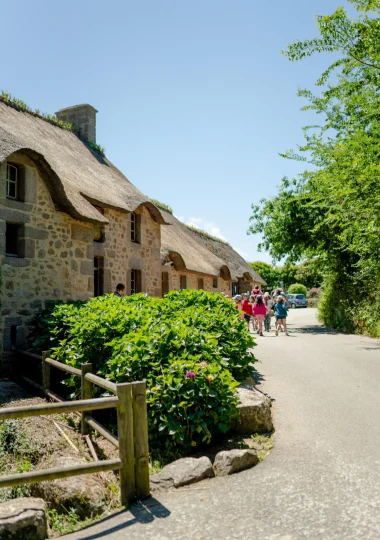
194 259
71 225
243 276
186 263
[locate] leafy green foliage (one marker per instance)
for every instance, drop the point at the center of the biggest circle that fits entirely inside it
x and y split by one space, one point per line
332 212
297 288
268 272
190 346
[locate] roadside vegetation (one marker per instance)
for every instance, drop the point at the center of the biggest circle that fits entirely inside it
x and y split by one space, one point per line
192 348
331 212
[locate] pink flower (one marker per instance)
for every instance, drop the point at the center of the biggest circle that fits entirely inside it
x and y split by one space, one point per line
203 364
190 375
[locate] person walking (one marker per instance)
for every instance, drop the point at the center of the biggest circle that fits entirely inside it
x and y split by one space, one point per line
260 311
238 299
247 308
268 317
281 312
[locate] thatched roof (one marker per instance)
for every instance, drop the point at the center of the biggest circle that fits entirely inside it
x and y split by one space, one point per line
77 176
186 252
238 266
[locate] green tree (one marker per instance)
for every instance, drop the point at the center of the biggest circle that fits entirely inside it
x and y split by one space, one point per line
332 210
268 272
297 288
309 273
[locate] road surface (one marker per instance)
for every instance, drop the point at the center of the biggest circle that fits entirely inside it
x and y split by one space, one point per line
321 481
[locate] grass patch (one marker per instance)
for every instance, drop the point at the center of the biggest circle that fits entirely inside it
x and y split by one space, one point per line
61 523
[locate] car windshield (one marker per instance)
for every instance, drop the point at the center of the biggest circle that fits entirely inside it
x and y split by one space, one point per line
300 296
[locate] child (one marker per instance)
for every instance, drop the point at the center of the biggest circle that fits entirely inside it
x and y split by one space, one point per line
281 312
260 311
247 308
252 301
239 304
268 317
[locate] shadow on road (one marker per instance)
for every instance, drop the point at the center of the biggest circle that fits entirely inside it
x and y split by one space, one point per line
143 512
315 329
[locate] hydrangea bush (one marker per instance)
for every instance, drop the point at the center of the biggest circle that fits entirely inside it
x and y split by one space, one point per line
191 347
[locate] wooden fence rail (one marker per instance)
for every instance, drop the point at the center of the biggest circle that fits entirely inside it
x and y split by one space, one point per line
130 402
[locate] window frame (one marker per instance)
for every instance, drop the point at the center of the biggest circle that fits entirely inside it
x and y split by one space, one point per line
215 283
182 277
201 284
15 240
135 228
135 281
98 276
14 182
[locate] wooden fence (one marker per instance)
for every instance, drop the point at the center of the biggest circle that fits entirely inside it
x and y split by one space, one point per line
132 424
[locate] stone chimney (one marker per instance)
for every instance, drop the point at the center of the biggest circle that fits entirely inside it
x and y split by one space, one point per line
84 119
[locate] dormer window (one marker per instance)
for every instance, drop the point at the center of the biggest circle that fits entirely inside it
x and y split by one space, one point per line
135 227
12 181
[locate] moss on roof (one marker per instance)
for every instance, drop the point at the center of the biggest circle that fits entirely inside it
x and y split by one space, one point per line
162 206
207 235
20 105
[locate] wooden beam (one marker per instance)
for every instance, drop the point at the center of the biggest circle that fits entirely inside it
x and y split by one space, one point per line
63 367
103 383
59 472
57 408
140 429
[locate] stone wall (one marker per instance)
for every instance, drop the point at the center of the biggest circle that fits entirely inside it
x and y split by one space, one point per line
192 280
57 252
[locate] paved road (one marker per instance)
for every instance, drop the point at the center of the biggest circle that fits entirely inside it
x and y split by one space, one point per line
321 481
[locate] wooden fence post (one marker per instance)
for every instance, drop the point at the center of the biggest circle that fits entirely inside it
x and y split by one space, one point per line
140 428
45 371
86 393
126 445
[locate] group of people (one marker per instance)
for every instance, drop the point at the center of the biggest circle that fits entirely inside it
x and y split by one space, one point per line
257 309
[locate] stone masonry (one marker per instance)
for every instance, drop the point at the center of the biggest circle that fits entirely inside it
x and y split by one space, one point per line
57 253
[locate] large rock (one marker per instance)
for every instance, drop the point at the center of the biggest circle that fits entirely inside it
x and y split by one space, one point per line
23 519
182 472
254 411
233 461
86 494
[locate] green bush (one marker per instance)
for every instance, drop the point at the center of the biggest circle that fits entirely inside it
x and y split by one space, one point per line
345 306
190 346
297 288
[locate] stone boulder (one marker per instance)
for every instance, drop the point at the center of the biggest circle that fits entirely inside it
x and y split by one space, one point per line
182 472
254 411
233 461
86 494
23 518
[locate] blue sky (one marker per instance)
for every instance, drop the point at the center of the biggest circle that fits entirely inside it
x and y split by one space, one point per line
195 99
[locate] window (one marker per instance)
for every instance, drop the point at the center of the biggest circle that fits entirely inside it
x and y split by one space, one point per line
234 288
12 237
182 282
200 283
12 181
165 283
135 227
98 276
214 282
135 281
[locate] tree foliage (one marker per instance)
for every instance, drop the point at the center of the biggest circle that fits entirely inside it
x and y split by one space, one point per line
332 210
